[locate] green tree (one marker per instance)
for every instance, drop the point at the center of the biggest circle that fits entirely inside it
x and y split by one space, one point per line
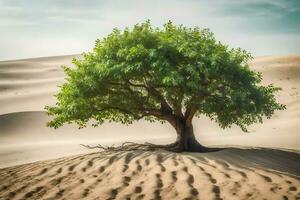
169 74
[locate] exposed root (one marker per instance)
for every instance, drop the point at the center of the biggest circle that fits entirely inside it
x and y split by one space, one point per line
131 146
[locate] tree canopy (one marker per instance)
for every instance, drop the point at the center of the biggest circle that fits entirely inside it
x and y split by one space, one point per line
167 73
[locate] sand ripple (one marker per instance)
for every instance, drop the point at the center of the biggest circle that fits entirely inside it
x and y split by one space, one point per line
145 175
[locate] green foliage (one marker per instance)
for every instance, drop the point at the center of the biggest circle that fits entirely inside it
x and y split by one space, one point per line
155 73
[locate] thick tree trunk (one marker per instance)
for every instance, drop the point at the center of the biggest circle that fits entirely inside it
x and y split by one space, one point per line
186 140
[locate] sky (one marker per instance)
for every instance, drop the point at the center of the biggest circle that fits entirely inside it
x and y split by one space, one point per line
36 28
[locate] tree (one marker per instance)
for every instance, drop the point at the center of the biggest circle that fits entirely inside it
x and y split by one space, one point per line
169 74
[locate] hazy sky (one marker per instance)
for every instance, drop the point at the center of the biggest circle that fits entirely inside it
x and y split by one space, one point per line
35 28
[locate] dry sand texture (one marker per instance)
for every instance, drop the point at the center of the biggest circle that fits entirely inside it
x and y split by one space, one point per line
231 174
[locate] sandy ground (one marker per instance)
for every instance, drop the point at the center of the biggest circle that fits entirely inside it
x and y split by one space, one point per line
227 174
26 86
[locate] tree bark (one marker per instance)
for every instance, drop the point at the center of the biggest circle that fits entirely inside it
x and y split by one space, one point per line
186 140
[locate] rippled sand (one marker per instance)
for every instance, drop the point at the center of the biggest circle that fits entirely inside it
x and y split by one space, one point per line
227 174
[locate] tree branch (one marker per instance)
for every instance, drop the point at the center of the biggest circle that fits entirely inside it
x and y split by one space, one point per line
165 107
122 110
165 112
189 114
190 110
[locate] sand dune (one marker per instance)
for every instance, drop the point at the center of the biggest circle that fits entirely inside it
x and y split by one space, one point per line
228 174
24 137
26 86
29 84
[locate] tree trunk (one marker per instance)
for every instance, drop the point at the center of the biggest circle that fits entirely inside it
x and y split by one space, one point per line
186 140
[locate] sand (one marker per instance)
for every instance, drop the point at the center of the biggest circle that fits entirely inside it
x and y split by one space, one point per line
73 172
228 174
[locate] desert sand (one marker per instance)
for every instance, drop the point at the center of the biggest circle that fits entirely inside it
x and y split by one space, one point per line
228 174
75 172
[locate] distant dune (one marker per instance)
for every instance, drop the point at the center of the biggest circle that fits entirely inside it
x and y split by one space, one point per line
27 85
